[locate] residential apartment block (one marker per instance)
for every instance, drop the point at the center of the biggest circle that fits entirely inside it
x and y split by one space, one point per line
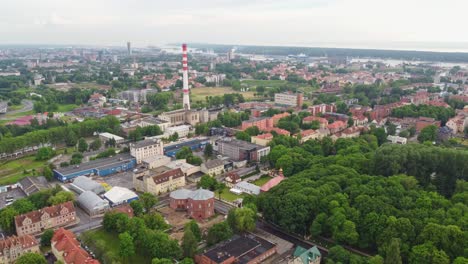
35 222
13 247
289 99
213 167
159 180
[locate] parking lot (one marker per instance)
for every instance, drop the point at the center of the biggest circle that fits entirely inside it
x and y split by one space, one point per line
122 179
15 193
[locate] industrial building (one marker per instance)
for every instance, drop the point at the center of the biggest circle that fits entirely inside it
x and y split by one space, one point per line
119 195
82 184
241 150
31 185
213 167
104 137
172 149
247 249
92 204
100 167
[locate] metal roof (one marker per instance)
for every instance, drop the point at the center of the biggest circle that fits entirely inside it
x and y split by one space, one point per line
92 201
83 183
119 194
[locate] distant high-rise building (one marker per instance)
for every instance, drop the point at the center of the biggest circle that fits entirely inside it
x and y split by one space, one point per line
129 48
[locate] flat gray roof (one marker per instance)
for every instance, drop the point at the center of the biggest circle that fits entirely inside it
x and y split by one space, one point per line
96 164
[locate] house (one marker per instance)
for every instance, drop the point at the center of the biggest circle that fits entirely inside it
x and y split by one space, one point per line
308 134
125 209
423 122
213 167
397 139
119 195
262 139
306 256
146 149
247 248
232 179
159 180
35 222
97 99
13 247
30 185
336 126
278 131
199 204
92 204
323 123
67 249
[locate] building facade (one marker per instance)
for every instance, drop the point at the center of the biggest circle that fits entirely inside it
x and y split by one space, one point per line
289 99
241 150
157 182
35 222
13 247
67 249
199 204
213 167
146 148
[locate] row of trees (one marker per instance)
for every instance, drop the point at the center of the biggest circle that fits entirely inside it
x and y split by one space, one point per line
231 119
68 134
437 112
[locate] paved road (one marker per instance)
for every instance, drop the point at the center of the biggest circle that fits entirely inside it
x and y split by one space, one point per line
27 106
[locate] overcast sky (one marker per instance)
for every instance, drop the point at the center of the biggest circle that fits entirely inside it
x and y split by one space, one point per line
417 24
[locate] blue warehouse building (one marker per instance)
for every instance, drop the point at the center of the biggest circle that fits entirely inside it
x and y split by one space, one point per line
101 167
193 144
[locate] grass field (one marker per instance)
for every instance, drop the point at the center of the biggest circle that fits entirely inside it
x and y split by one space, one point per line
112 244
229 196
264 179
66 107
199 94
12 171
266 83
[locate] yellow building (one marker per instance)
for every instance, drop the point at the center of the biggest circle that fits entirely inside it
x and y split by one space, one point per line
159 181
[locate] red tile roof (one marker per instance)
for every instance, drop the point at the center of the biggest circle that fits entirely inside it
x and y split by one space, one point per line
26 241
125 208
53 211
337 124
265 136
66 242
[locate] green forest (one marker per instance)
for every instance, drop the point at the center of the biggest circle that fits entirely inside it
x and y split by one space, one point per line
407 198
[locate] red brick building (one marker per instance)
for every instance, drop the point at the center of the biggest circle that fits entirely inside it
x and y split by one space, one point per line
67 249
322 108
199 204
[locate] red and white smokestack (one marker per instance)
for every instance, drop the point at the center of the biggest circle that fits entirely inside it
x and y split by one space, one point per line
186 97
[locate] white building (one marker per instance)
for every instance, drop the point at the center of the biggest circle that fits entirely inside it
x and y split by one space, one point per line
146 148
213 167
153 121
104 137
397 139
187 168
119 195
182 130
246 187
156 161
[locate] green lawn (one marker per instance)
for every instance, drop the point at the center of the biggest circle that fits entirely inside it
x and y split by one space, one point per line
20 114
12 171
112 244
229 196
266 83
66 107
262 180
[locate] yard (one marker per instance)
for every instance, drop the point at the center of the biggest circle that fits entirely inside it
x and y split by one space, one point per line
262 180
111 242
229 196
13 170
199 94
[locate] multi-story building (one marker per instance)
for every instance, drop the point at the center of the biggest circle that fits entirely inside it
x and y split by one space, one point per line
241 150
199 204
322 108
153 121
213 167
67 249
158 181
13 247
35 222
146 148
182 130
262 139
323 123
289 99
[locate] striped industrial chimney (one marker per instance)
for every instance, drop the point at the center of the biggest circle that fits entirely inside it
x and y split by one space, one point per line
186 98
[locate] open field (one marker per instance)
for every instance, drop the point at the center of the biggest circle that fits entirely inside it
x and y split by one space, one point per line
12 171
266 83
262 180
66 107
111 241
199 94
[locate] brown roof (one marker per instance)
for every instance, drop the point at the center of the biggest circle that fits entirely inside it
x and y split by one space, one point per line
164 177
26 241
125 208
66 242
53 211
